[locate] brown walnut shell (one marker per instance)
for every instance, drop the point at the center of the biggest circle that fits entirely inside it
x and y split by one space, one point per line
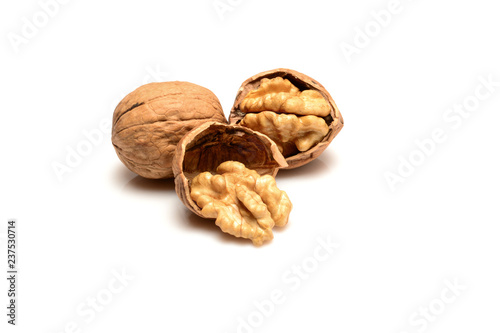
210 144
149 122
334 120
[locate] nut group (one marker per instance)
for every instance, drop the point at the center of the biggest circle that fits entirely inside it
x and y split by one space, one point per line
280 119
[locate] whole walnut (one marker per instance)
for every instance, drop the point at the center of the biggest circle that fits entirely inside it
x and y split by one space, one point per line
149 122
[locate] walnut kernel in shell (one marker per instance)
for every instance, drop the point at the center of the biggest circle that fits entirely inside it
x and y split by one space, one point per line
247 161
293 109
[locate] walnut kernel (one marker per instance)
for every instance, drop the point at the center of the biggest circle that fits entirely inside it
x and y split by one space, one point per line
291 108
243 203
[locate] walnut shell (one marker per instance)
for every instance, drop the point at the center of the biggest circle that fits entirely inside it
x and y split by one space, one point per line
149 122
210 144
334 120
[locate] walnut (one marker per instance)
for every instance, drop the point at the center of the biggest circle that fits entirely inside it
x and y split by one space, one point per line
149 122
280 95
291 108
243 196
304 132
244 203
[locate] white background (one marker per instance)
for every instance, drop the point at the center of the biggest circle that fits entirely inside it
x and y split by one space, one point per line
397 247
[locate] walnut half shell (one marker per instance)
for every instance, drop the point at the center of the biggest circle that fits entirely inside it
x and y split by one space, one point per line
292 109
207 146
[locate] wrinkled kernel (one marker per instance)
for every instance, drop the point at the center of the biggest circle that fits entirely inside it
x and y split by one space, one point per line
304 132
219 183
280 95
244 203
